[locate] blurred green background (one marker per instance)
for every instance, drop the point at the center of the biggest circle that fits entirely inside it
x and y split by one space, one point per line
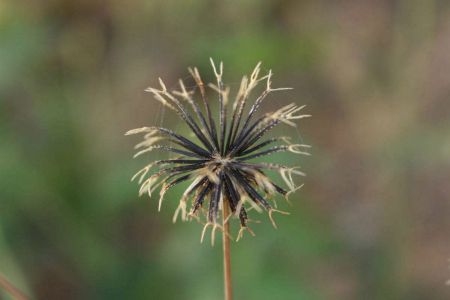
372 221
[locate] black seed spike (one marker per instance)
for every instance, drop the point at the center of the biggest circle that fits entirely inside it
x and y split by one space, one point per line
214 202
212 125
264 153
259 146
201 196
250 191
182 141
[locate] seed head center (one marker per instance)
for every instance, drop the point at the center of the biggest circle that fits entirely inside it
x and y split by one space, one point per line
222 161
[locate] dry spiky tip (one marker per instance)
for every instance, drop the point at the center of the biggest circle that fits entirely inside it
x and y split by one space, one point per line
218 163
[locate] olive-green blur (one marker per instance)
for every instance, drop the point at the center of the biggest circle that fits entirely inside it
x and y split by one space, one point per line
371 222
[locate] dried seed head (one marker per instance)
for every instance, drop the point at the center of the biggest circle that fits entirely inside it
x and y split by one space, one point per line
219 164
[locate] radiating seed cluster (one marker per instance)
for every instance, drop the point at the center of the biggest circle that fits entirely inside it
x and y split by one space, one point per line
218 165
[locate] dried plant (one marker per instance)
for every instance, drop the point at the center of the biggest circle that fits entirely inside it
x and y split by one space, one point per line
11 289
218 164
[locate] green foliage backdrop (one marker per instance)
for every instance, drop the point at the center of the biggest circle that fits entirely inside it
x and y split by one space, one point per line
372 221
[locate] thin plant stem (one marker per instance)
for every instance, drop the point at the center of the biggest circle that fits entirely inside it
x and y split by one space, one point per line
11 289
226 254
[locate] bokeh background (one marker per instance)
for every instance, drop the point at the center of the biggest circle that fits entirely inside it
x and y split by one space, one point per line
372 222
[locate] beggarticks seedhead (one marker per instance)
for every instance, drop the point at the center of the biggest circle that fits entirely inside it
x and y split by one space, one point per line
219 165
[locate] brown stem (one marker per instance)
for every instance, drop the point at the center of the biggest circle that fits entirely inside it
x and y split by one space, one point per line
10 288
226 253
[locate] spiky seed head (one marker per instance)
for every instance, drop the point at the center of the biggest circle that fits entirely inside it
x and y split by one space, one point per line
219 164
